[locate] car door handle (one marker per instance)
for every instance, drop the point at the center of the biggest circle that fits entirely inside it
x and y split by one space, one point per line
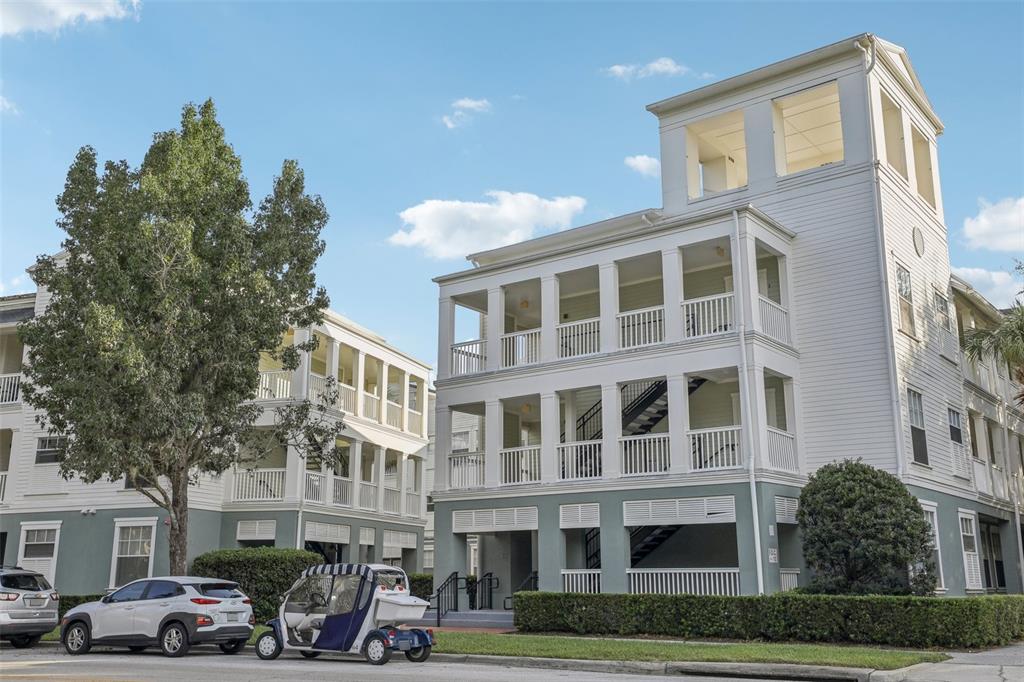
129 608
166 603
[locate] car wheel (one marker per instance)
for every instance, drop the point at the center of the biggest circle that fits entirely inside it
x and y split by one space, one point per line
419 654
267 646
76 639
136 649
233 647
376 650
309 654
174 640
24 641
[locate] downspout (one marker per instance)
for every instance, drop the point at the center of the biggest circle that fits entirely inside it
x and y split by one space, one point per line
890 352
755 513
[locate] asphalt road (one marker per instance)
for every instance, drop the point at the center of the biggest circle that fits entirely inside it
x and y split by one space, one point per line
48 662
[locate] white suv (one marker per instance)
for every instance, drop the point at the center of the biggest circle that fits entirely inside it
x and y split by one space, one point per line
172 613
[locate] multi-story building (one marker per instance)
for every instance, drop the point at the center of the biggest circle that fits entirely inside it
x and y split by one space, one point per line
653 390
370 506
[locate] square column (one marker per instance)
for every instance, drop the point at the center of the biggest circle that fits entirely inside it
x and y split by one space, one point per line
678 423
445 336
359 379
615 549
550 550
442 445
744 265
380 454
405 401
548 318
611 429
791 394
672 283
549 437
382 390
355 469
403 462
493 419
333 352
421 477
295 475
300 377
755 414
495 327
608 278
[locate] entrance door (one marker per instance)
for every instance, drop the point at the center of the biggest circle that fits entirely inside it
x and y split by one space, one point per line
992 568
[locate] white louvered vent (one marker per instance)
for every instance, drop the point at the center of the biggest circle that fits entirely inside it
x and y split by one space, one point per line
328 532
256 530
399 539
367 536
586 515
491 520
785 509
679 512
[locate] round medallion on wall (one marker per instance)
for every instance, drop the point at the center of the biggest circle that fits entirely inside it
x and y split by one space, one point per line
918 241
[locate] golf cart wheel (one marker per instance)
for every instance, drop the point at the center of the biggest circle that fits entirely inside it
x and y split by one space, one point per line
376 650
76 639
232 647
24 641
309 654
419 654
267 646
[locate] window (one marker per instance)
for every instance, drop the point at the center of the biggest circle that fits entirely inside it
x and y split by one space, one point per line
48 449
892 129
932 517
133 551
915 405
716 155
923 166
131 592
24 581
906 296
40 543
163 589
460 441
343 594
956 432
808 129
220 590
942 320
968 541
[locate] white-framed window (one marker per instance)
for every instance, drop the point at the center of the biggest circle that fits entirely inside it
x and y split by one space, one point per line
905 291
931 515
956 431
48 449
919 442
461 441
808 129
37 551
942 318
132 554
969 544
716 154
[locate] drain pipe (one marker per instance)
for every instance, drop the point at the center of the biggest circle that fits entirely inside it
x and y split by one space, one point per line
745 400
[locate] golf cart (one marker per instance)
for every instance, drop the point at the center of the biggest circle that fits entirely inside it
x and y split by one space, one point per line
349 609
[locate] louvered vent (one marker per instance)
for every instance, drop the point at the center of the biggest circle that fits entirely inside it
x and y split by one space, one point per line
586 515
679 512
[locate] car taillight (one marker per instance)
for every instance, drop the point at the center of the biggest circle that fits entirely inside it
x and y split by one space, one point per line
54 596
392 634
9 596
205 601
203 620
247 601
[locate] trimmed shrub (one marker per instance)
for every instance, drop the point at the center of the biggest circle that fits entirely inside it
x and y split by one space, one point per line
70 601
263 573
421 585
956 622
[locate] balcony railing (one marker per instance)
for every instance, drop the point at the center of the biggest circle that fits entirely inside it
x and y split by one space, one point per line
3 485
581 580
708 316
347 398
519 465
713 581
641 327
412 503
367 495
961 460
276 385
579 460
579 338
469 357
774 320
316 487
782 450
415 421
520 348
317 387
258 485
392 499
789 579
644 454
342 491
394 418
466 470
371 406
718 448
10 388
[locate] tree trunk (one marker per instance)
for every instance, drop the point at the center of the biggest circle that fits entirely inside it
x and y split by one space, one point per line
177 535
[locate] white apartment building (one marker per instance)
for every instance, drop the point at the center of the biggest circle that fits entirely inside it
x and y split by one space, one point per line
371 506
651 391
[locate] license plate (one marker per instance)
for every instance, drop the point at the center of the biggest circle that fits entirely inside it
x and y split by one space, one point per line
35 603
404 645
232 617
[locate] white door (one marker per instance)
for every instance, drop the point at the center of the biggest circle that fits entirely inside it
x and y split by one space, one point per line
116 617
163 597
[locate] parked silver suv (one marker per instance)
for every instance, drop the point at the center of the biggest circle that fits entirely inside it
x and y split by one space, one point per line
28 606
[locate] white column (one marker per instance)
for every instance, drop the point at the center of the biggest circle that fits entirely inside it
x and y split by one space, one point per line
757 411
570 417
744 264
673 170
442 445
493 419
495 327
762 146
405 401
549 315
355 469
678 423
608 277
672 282
791 392
359 379
333 353
549 437
382 390
856 112
445 336
380 454
611 429
295 475
300 377
403 462
421 476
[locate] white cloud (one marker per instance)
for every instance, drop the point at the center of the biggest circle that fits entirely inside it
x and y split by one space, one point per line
462 109
50 16
15 285
644 165
1000 288
469 104
998 226
8 107
452 229
662 66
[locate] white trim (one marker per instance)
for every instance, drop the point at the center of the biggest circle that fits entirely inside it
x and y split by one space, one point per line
137 522
933 508
51 570
972 560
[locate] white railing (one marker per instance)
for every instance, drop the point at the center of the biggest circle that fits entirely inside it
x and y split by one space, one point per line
412 503
714 581
415 421
581 580
644 454
982 476
579 338
347 398
774 320
641 327
316 487
10 385
782 450
961 460
520 348
276 385
466 470
789 579
342 489
579 460
371 406
258 485
520 465
394 415
317 387
367 495
3 485
392 498
709 315
469 357
717 448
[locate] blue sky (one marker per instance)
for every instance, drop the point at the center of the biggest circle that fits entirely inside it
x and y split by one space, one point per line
424 117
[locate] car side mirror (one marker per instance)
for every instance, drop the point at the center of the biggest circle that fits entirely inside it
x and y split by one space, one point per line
105 599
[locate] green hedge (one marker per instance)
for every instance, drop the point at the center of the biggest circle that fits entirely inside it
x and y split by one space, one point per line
957 622
70 601
421 585
263 573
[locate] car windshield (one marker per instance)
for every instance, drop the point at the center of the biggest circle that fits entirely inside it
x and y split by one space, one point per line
389 579
220 590
24 581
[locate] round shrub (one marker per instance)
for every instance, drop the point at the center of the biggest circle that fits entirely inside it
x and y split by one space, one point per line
263 573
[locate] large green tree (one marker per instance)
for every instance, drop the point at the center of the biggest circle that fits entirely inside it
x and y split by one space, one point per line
167 290
1005 339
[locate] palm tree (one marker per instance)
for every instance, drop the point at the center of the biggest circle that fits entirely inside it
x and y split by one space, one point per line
1005 340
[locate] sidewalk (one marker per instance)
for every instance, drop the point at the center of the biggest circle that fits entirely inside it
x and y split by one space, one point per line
1005 664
